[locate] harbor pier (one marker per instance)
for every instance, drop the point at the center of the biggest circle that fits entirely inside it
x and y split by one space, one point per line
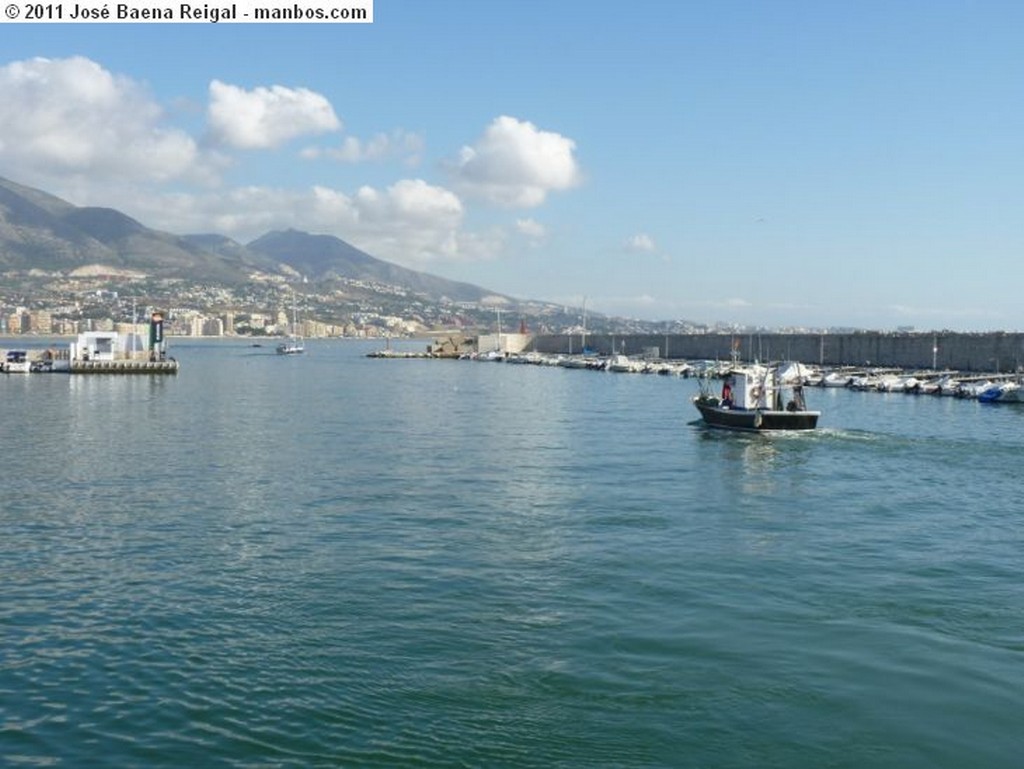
99 352
996 351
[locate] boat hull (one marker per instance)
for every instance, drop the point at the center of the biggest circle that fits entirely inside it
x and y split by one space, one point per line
755 420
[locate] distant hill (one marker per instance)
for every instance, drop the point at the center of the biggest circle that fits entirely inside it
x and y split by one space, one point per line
41 231
33 232
324 257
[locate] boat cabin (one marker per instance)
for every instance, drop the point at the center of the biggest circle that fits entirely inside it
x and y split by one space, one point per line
752 387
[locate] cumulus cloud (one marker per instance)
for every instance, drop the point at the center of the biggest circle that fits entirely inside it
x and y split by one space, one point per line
515 164
62 118
532 229
267 117
401 144
640 242
76 130
411 222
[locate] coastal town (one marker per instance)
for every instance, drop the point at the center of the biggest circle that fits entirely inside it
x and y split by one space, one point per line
71 304
65 304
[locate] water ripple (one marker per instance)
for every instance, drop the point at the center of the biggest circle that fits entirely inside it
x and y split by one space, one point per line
436 565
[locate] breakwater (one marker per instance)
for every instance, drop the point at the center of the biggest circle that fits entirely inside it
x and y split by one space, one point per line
169 366
992 351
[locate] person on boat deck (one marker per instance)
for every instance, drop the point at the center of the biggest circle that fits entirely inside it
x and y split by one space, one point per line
727 393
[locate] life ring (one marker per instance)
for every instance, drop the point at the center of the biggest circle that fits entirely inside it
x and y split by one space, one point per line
755 392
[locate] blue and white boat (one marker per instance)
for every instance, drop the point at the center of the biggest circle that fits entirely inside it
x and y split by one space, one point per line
1002 392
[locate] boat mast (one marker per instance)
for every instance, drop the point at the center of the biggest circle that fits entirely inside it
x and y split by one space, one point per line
583 336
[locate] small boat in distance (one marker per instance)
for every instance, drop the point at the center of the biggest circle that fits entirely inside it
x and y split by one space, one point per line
293 345
755 399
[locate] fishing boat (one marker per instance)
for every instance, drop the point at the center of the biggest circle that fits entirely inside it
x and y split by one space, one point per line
755 399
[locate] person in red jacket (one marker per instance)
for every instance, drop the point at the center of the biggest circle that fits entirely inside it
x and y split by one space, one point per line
727 393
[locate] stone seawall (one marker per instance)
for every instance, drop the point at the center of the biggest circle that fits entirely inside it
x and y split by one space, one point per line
995 351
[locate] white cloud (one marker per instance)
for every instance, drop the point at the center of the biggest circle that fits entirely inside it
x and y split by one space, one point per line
401 144
76 130
531 229
411 201
267 117
67 118
640 242
410 222
515 164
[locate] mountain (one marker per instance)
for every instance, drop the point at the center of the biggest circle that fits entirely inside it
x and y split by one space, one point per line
41 231
324 257
33 232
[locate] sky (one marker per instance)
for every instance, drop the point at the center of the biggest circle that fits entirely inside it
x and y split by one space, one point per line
781 164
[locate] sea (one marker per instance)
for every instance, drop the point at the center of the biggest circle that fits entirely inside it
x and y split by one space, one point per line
328 560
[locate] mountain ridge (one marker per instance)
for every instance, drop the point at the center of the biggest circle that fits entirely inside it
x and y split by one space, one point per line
42 231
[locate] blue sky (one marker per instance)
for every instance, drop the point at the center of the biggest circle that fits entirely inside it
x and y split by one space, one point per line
777 163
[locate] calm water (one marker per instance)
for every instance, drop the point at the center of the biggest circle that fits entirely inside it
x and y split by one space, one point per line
327 560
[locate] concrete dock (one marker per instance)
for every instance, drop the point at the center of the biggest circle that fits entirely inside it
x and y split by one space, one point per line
55 361
169 366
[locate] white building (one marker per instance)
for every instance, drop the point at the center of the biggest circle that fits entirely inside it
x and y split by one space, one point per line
109 345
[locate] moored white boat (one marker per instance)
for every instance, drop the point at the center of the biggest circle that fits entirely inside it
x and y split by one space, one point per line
972 389
889 383
622 364
17 362
948 385
574 361
836 379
